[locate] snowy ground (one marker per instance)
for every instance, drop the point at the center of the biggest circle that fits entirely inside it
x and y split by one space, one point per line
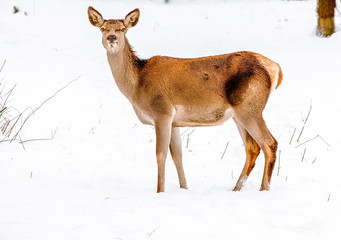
97 178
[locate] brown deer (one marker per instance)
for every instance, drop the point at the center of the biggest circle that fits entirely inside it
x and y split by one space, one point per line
169 93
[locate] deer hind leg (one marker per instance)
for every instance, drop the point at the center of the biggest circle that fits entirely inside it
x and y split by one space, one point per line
163 135
257 128
252 150
176 152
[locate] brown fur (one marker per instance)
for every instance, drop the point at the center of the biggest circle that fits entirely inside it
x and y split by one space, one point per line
171 92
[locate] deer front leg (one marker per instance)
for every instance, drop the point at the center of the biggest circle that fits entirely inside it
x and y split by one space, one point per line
163 134
176 152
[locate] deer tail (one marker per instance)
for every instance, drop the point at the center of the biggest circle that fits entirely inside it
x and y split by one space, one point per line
280 77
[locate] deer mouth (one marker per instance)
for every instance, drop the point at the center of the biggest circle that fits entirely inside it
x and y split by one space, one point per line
113 44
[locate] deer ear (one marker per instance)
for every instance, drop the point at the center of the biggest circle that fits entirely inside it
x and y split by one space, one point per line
95 17
132 18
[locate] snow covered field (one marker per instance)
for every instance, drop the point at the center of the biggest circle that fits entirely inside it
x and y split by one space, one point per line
96 179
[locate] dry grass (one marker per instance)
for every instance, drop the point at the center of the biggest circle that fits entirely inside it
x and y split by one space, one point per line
13 121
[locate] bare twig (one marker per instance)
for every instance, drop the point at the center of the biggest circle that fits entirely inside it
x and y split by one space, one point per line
3 65
225 149
307 141
182 135
185 132
299 136
303 154
5 140
3 109
35 110
188 135
22 144
314 161
13 125
8 124
317 136
151 233
39 139
35 139
279 162
292 136
5 125
305 122
8 94
324 141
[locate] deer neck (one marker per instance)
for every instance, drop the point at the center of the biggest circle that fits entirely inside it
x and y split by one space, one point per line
124 69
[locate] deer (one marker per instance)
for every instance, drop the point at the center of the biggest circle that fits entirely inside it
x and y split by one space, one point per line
169 93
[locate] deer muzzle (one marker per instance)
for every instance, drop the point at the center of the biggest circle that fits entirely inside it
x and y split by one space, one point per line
111 38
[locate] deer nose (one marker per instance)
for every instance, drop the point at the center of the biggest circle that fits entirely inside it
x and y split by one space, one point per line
111 38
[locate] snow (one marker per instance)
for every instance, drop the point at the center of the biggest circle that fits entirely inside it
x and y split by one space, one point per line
96 179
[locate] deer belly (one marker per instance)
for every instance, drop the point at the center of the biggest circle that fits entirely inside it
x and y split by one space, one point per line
194 116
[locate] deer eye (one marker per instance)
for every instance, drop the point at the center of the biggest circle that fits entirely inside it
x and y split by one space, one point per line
102 29
123 29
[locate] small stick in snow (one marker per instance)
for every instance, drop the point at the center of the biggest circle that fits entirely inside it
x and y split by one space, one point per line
279 162
306 141
225 150
8 94
22 144
5 126
329 197
305 122
314 161
184 132
324 141
303 154
3 65
14 124
15 9
188 137
313 139
2 110
151 233
292 137
39 139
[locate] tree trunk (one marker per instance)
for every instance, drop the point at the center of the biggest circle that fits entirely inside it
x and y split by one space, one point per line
325 25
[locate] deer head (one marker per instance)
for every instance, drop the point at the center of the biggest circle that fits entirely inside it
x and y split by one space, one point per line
113 31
